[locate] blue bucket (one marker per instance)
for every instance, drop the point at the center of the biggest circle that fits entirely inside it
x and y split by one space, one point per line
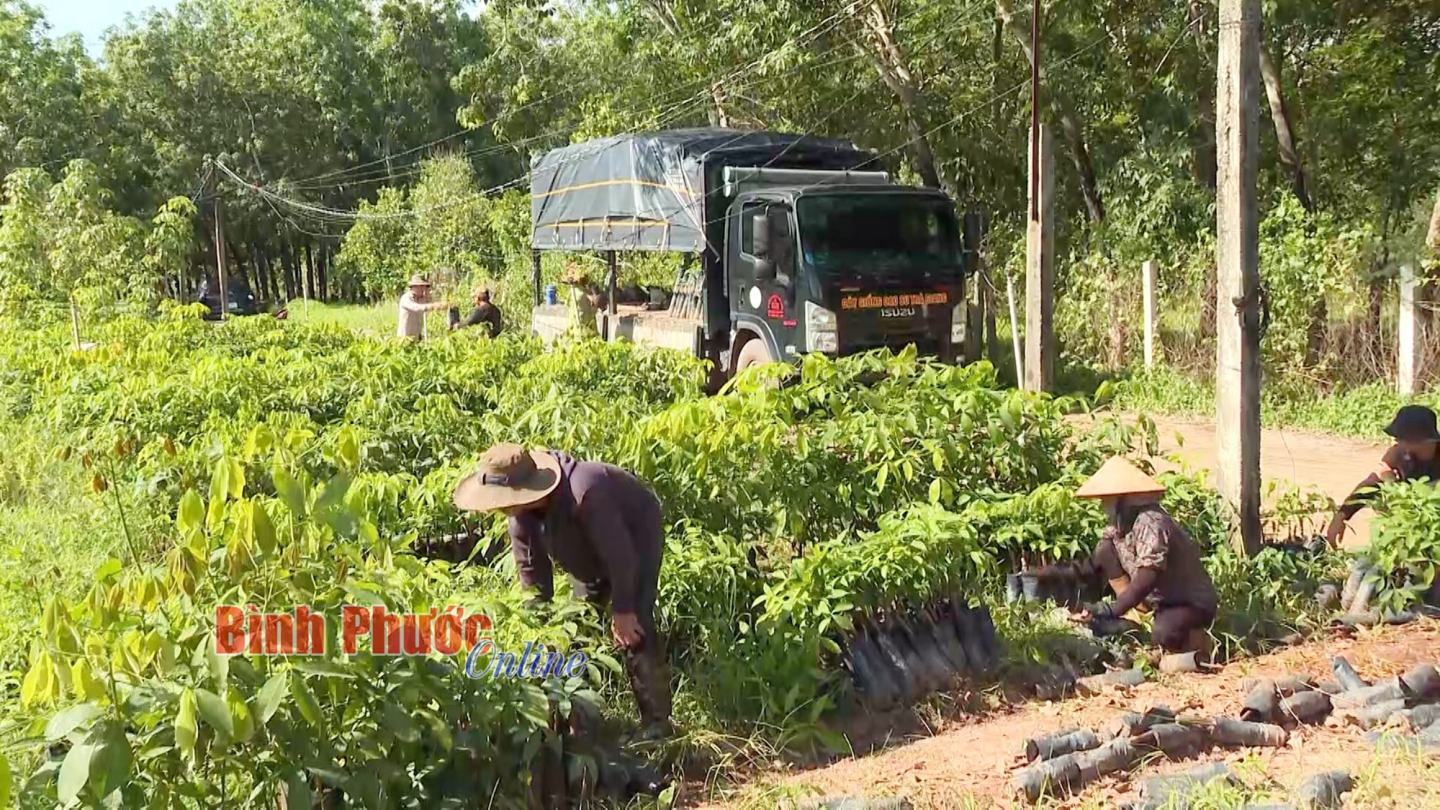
552 297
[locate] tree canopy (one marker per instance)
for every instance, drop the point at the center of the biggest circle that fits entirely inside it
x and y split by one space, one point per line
321 104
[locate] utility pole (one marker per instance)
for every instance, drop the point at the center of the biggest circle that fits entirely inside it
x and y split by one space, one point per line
1034 108
1040 236
1238 298
219 236
1040 271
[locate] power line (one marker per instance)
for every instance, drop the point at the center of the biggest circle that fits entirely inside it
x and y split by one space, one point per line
833 21
322 213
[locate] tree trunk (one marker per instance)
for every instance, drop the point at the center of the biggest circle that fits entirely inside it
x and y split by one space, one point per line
1202 138
1284 129
1433 239
718 116
894 69
1070 125
309 269
323 268
267 272
237 264
287 261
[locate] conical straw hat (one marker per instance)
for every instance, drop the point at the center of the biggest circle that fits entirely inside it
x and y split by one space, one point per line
1118 477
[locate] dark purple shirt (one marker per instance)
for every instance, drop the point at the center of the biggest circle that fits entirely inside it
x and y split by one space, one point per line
602 524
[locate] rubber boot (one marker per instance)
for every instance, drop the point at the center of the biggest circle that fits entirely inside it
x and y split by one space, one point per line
650 681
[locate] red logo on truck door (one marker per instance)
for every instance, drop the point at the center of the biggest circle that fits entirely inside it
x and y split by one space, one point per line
775 307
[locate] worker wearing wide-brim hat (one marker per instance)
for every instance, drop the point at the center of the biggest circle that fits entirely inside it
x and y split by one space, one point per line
413 306
605 528
1150 560
1414 455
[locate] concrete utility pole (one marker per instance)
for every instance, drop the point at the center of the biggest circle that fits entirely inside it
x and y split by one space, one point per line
1411 313
1040 269
1237 366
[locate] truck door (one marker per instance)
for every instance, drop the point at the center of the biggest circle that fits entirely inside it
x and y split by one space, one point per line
766 306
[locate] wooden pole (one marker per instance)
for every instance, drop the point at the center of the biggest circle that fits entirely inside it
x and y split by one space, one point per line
1015 330
220 248
1034 107
1151 283
975 316
975 300
1237 367
75 322
305 286
1408 361
1040 271
612 279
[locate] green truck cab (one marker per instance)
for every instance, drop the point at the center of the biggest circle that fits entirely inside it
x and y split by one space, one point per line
802 247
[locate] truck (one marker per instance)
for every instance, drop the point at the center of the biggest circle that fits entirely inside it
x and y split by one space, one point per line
793 244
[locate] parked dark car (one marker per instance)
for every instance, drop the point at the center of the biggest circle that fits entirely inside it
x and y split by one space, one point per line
240 299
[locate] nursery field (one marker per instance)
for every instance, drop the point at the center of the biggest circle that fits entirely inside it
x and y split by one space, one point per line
178 465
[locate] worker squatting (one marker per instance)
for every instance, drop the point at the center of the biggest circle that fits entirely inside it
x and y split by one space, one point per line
449 632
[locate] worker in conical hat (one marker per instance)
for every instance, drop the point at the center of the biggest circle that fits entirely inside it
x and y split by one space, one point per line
1149 560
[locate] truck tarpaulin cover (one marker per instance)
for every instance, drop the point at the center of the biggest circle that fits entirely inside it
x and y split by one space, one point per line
649 191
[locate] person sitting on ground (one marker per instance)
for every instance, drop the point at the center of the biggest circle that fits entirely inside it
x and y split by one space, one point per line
1149 561
1413 456
485 313
413 306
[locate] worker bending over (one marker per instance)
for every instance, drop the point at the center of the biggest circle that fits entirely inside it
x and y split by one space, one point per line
1149 561
1411 457
485 313
604 527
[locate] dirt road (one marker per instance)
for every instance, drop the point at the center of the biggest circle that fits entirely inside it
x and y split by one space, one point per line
1294 458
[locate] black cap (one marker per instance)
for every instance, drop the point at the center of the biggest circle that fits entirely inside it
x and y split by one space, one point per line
1414 423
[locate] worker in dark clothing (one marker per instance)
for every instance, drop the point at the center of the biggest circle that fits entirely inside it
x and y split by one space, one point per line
485 313
604 527
1149 561
1413 456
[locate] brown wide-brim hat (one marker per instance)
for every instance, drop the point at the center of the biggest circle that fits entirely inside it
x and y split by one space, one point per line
508 476
418 281
1119 477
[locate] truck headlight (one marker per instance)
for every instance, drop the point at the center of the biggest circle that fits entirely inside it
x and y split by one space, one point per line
820 333
957 323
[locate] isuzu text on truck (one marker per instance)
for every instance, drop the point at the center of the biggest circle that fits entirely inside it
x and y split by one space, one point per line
800 248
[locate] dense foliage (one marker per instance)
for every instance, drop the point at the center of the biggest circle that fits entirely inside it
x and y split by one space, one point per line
328 108
272 464
275 464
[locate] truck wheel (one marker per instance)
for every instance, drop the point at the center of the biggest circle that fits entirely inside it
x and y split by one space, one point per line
753 353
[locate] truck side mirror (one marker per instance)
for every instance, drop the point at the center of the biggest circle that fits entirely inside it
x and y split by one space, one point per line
760 225
764 264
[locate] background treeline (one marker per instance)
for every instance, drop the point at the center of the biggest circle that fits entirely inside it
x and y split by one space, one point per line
323 108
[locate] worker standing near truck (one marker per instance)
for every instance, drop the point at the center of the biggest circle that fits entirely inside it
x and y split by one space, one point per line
414 304
1414 455
1149 559
605 528
582 303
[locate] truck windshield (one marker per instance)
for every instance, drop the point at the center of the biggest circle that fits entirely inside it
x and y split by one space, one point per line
877 234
